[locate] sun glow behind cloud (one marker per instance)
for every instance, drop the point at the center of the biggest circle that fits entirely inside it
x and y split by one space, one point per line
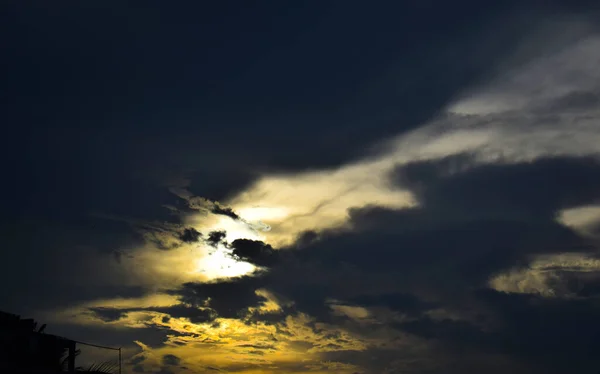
319 200
503 122
218 263
520 126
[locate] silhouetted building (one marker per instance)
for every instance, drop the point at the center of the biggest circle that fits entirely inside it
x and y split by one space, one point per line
26 349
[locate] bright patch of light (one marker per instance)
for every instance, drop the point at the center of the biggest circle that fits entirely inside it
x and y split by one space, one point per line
260 213
217 263
582 219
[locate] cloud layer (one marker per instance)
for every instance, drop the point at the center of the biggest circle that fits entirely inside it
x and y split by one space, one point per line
467 242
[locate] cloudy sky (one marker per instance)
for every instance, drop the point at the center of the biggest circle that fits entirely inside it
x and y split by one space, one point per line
306 186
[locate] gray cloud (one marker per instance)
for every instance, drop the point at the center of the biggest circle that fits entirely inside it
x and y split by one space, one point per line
254 252
228 298
190 235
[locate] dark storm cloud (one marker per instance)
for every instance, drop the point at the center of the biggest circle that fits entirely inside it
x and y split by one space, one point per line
542 327
558 335
479 218
268 318
190 235
253 251
203 204
406 303
228 298
218 105
108 314
575 100
454 332
194 314
415 245
225 211
393 360
215 238
538 188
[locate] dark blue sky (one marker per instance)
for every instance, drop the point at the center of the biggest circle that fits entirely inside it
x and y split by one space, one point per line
96 91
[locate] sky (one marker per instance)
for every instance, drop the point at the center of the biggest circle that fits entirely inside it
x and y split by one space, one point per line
306 186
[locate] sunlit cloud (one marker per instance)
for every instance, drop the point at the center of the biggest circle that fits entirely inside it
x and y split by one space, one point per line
315 200
548 275
230 344
271 304
543 80
538 110
585 220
